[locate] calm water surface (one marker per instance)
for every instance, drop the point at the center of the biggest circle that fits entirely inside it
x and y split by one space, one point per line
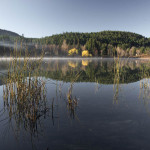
112 110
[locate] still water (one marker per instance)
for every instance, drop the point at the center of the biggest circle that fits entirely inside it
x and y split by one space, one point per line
110 110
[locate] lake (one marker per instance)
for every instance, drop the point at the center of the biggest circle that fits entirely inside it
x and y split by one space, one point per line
91 104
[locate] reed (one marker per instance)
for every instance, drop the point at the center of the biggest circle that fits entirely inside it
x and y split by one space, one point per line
72 101
145 83
24 92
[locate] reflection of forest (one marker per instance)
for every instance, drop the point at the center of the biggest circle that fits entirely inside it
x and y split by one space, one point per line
101 71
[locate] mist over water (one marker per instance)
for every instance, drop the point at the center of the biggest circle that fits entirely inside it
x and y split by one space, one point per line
7 44
17 45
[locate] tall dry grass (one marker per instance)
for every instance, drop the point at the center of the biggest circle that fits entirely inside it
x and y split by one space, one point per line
24 92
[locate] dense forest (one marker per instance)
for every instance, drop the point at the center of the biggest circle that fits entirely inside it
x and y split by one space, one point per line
106 43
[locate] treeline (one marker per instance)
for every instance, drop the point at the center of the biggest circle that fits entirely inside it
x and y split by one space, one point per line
106 43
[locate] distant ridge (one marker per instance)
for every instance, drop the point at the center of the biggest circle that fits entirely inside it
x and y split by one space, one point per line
11 33
8 33
104 43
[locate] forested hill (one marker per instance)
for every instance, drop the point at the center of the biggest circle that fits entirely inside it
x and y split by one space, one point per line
106 43
8 33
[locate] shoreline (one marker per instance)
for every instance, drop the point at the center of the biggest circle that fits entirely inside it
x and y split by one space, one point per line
72 58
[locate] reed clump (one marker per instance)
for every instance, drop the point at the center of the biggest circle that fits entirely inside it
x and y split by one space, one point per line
24 92
145 83
72 102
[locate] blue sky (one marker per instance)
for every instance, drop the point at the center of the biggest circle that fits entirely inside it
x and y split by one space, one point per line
39 18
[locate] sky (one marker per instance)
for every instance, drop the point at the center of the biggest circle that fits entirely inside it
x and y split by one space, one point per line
40 18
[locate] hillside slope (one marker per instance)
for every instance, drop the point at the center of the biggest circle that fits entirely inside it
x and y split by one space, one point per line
8 33
105 43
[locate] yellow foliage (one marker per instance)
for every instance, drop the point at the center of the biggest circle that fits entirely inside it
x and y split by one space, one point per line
85 62
73 65
73 51
85 53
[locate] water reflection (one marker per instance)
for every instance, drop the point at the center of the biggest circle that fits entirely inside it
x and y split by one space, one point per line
72 64
80 99
103 71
